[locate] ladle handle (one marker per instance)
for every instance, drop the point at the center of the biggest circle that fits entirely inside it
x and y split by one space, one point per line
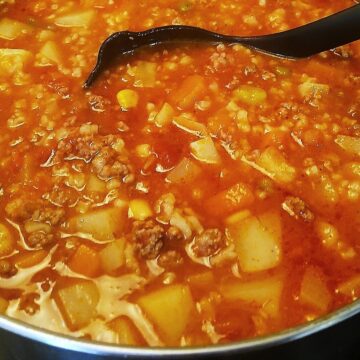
324 34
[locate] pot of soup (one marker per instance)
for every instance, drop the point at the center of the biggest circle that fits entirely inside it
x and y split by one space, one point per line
197 201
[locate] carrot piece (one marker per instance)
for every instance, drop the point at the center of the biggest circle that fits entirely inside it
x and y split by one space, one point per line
29 259
85 261
235 198
192 88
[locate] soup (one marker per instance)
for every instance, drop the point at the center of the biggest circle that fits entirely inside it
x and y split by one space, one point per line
195 194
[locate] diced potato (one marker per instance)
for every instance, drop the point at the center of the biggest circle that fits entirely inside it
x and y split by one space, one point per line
310 89
101 224
352 170
85 261
275 163
3 305
265 293
139 209
112 257
94 184
76 19
7 243
77 300
349 143
51 52
258 242
205 151
170 309
191 90
314 291
127 99
11 29
235 198
250 95
143 150
13 60
29 259
237 217
165 115
190 126
325 190
201 281
350 287
184 172
126 331
145 74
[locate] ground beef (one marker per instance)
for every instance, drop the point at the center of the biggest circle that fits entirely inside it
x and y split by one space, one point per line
22 209
51 216
170 259
39 239
7 269
106 154
174 234
98 103
208 243
297 208
149 238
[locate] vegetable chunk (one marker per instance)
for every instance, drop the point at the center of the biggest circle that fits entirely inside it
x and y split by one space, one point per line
264 293
205 151
101 224
126 332
76 19
112 257
170 310
191 90
11 29
314 291
77 300
275 163
258 242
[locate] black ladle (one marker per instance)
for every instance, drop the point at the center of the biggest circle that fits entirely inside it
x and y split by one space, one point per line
324 34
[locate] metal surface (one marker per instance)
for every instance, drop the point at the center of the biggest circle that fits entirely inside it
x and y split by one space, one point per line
28 338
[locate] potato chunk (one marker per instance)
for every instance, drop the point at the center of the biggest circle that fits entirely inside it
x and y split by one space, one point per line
7 243
76 19
314 291
250 95
258 242
126 332
112 257
77 300
100 224
205 151
189 91
50 54
170 310
349 144
275 163
11 29
265 293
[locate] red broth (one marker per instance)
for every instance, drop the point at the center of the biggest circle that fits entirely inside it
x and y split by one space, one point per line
195 195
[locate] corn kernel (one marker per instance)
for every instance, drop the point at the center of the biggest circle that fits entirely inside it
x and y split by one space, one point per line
127 99
139 209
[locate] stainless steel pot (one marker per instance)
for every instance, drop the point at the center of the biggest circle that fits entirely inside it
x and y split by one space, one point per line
335 336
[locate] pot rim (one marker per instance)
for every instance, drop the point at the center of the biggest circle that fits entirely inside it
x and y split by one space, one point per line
66 342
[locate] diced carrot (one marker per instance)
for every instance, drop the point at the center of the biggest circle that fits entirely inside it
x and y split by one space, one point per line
29 259
85 261
235 198
192 88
